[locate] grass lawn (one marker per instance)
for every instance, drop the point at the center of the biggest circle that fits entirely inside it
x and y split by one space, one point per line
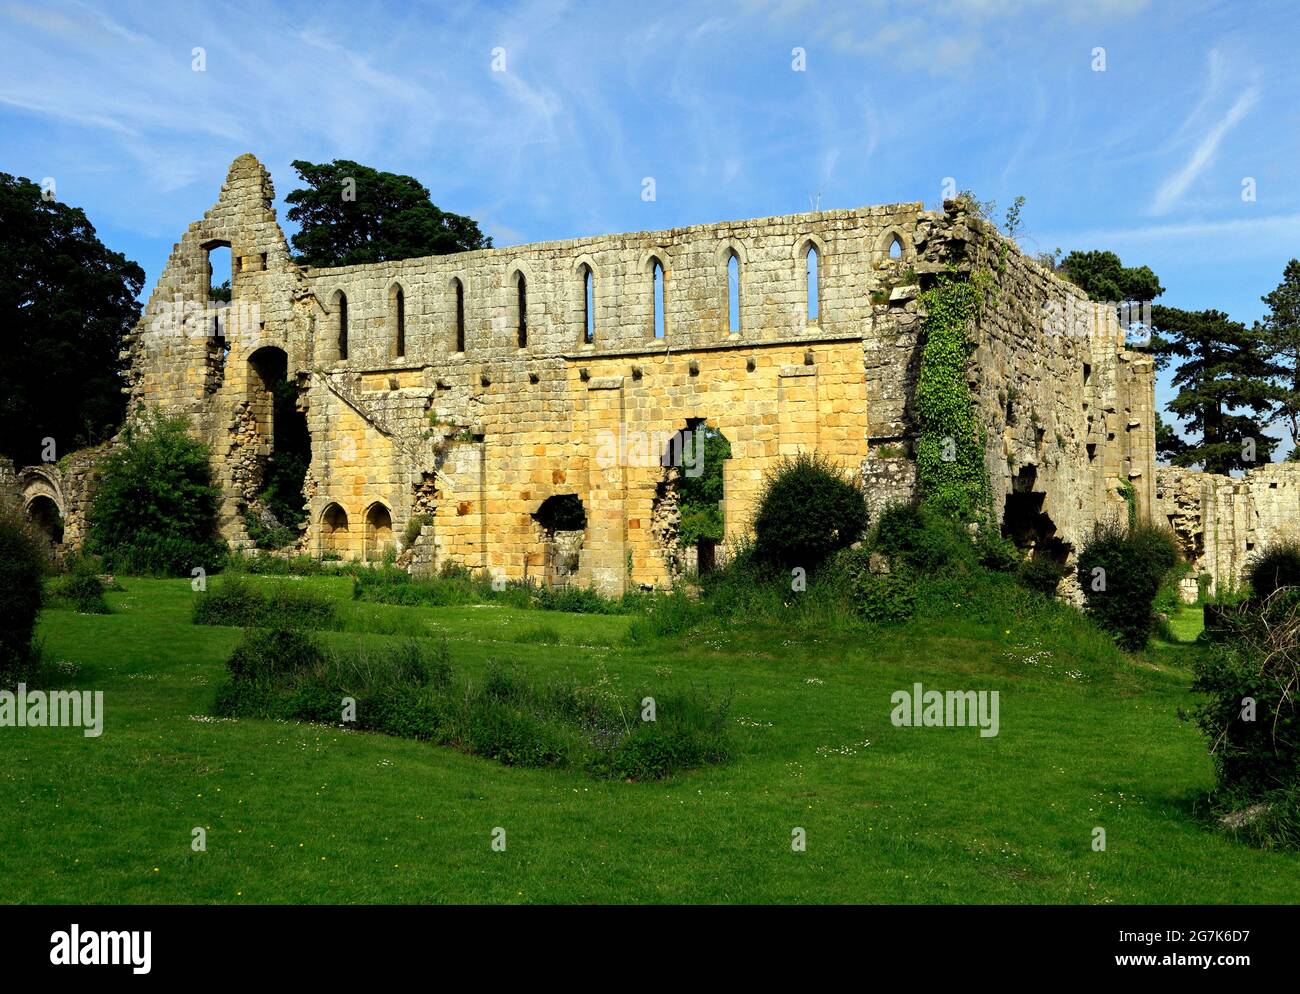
301 813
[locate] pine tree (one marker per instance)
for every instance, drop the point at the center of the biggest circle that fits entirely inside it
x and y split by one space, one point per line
1225 387
1282 337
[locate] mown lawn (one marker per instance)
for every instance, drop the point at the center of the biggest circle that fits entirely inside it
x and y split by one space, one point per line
299 813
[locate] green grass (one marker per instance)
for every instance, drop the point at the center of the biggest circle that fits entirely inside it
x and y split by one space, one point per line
301 813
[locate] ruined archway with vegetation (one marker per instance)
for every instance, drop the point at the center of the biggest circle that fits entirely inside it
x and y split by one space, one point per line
562 520
275 517
688 515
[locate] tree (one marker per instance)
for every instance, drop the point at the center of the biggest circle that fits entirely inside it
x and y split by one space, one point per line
1224 385
699 494
66 301
1282 338
1169 444
349 214
1104 278
155 506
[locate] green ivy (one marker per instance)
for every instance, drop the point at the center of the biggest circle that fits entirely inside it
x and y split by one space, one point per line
949 451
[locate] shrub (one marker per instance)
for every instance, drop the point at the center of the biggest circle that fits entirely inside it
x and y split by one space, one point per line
920 540
155 507
1120 571
80 588
1041 574
886 598
237 602
274 656
806 512
414 525
1278 565
22 569
1257 751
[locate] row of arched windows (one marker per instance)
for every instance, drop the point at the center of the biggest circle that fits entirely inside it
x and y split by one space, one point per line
658 301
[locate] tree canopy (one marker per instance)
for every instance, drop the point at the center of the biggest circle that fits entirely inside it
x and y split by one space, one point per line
1225 387
65 302
1281 330
1103 277
349 214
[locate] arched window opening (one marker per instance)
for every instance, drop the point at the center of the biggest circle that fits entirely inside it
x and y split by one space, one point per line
896 248
44 514
588 305
379 532
333 532
691 496
460 315
733 293
657 298
521 310
813 284
397 307
341 325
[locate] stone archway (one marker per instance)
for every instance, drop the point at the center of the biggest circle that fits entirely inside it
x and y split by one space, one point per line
379 532
688 517
334 532
282 447
46 515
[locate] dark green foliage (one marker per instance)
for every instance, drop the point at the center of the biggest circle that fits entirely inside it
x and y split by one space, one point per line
22 570
155 506
1041 574
1225 387
1278 565
268 537
1105 279
886 598
949 451
409 691
235 601
807 511
1120 571
1281 329
65 303
1250 716
286 469
390 217
919 539
80 587
699 486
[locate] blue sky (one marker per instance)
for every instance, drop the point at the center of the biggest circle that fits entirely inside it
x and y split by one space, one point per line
1147 157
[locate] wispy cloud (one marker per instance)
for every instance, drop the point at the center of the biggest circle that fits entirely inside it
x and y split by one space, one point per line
1170 192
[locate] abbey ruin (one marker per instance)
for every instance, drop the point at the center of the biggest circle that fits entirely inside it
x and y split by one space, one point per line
526 407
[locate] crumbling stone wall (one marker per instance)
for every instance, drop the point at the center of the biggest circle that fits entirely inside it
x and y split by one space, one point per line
405 421
1221 521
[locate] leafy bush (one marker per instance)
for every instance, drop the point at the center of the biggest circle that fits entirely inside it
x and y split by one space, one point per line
806 512
235 601
155 506
920 540
886 598
80 588
1120 571
266 536
22 569
1041 574
1278 565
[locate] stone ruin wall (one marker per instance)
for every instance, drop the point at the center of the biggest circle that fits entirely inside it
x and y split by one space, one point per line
1221 521
478 439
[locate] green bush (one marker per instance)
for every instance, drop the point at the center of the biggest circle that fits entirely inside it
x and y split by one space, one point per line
80 587
235 601
155 506
1120 571
23 564
1041 574
1277 566
806 512
1249 713
920 540
886 598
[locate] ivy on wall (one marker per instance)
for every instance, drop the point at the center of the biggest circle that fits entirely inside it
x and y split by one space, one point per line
949 450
